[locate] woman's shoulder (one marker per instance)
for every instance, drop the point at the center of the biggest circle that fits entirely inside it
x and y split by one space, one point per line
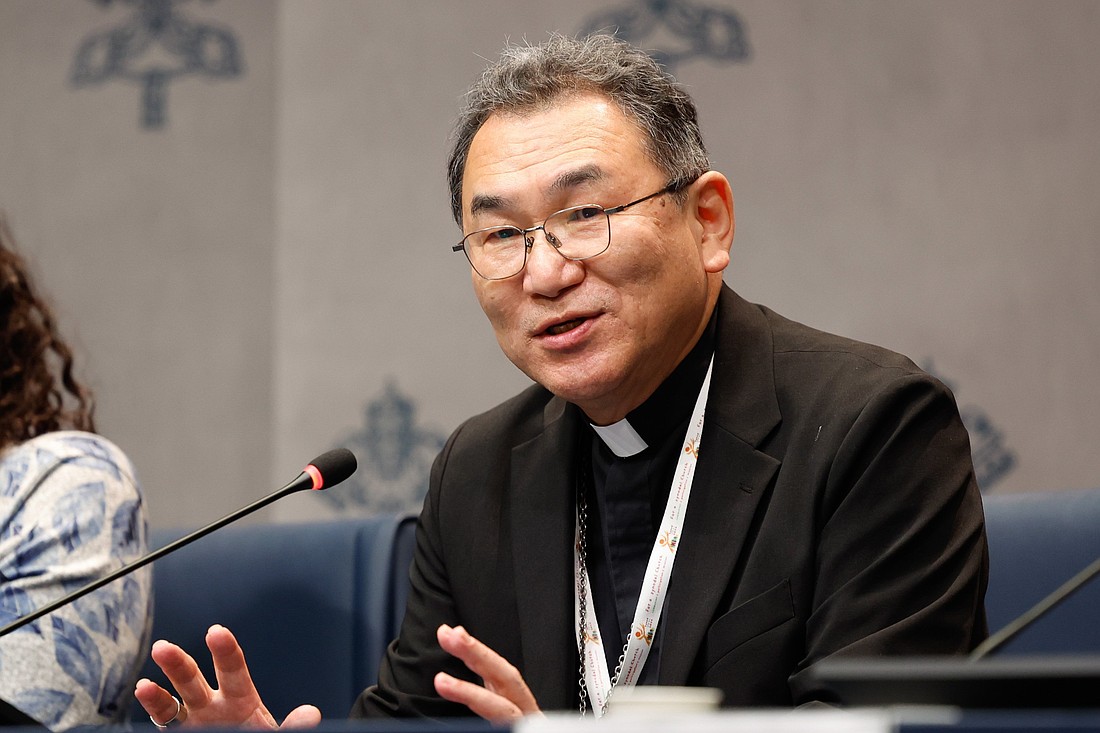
64 451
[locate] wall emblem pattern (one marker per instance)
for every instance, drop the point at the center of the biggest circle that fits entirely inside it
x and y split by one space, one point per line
157 45
395 456
674 31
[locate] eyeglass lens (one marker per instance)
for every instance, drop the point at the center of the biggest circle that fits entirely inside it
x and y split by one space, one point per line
576 233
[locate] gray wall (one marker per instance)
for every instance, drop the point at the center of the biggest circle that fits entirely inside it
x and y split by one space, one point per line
156 245
247 279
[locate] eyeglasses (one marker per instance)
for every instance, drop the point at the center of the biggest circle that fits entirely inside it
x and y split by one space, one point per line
576 233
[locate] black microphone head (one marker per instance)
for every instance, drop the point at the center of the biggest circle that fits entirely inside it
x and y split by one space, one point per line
332 466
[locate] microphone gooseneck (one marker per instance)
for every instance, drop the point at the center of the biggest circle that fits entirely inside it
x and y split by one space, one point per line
324 471
1036 612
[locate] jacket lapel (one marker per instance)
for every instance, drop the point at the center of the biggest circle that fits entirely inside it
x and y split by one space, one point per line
543 509
729 481
724 498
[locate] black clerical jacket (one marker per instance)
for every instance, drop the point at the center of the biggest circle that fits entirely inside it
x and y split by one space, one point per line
834 511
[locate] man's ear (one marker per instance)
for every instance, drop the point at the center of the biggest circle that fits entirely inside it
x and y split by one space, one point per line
712 200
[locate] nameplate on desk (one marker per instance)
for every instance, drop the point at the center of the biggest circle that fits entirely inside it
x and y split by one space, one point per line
765 721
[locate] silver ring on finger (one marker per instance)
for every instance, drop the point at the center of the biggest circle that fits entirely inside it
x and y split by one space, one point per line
175 717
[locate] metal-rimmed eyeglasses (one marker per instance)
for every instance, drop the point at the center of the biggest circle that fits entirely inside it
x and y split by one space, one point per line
575 233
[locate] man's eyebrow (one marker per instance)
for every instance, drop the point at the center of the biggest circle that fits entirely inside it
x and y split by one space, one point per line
574 178
482 203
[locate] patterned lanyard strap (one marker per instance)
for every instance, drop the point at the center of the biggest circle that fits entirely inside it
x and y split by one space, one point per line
595 681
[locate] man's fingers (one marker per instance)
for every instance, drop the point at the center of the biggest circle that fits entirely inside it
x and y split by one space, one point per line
303 716
157 701
183 672
481 660
499 674
482 702
235 703
229 665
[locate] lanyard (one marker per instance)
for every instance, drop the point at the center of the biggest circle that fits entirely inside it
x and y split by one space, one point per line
597 680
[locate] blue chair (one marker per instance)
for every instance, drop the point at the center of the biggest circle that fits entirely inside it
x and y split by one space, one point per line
313 604
1037 541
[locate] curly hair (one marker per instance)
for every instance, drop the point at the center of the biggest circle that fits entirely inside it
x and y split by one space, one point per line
38 393
535 77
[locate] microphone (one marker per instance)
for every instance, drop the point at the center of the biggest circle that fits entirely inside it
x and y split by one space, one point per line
1036 612
327 469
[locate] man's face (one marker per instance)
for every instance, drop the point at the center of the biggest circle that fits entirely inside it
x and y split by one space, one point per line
604 332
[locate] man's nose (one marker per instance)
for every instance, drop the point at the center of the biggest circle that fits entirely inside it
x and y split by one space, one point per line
548 273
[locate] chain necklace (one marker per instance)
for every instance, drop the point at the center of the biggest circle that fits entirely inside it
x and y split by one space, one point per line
582 591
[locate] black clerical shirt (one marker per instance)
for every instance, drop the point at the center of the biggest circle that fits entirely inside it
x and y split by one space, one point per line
629 500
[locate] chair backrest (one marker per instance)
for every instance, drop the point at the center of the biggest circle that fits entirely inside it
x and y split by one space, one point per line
1037 541
313 604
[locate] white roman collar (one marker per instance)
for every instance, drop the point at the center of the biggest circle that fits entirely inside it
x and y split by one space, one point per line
621 438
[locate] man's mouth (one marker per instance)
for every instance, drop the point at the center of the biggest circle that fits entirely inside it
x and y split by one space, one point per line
559 328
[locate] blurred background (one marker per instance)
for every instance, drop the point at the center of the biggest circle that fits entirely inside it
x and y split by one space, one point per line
238 209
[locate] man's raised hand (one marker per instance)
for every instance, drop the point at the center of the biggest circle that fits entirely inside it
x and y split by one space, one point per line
504 697
234 703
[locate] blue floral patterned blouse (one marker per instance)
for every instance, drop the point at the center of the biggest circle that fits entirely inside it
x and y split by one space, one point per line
70 512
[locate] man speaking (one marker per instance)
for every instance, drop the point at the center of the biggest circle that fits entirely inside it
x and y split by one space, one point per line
696 491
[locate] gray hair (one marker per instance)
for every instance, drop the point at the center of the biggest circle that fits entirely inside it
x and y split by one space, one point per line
535 77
